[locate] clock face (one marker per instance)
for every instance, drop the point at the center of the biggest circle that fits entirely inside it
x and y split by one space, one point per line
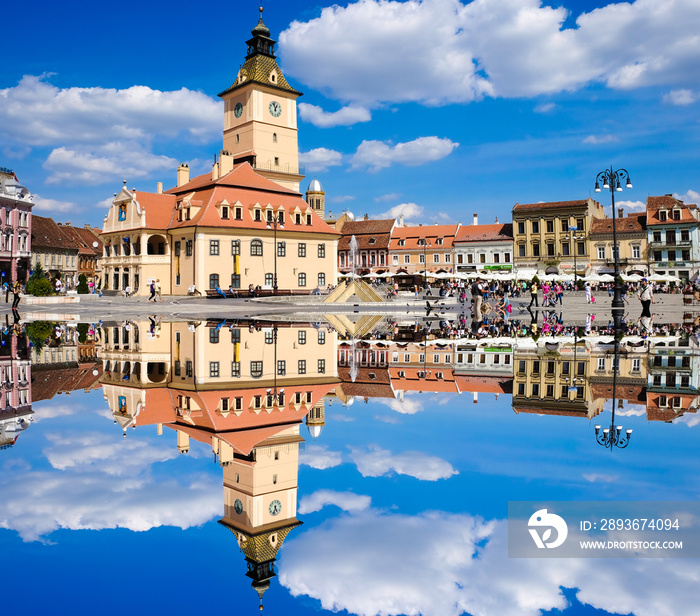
275 507
238 506
275 109
238 110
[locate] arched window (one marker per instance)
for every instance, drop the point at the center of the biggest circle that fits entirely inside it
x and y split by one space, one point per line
256 248
274 137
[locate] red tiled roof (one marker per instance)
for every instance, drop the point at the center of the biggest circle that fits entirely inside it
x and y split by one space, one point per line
550 205
655 204
631 393
485 384
483 233
47 234
431 233
632 223
371 227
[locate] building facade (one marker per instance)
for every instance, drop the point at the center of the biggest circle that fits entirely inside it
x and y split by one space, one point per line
372 239
55 250
484 248
414 250
16 228
631 234
674 238
242 225
554 237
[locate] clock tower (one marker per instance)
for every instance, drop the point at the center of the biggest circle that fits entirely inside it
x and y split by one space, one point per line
260 114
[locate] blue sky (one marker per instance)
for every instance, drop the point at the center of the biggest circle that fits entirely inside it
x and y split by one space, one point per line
435 109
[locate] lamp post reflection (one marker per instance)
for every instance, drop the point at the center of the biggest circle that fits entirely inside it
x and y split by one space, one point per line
274 221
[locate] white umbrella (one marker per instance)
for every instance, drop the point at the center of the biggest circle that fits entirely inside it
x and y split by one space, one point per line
373 275
657 278
606 278
631 277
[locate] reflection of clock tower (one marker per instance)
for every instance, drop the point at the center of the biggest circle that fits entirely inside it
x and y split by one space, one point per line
260 114
260 502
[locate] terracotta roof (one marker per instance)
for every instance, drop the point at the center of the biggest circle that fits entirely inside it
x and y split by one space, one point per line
370 227
83 238
496 384
365 242
242 175
655 204
412 381
574 411
159 209
632 223
49 381
552 205
431 233
631 393
47 234
484 233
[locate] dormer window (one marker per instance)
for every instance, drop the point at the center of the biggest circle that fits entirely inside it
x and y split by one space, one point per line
187 213
239 213
402 242
224 212
663 215
257 217
439 241
372 240
297 219
269 216
308 219
676 214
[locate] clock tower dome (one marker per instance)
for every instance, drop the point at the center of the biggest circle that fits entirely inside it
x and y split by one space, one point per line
260 114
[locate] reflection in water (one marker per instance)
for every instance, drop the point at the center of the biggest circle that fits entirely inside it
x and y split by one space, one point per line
243 389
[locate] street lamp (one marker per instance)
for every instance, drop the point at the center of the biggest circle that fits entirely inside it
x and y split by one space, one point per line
575 238
274 221
426 243
612 180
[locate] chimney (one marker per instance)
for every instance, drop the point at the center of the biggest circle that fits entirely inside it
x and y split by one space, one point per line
620 212
183 174
183 442
476 393
159 188
400 222
496 220
476 219
366 216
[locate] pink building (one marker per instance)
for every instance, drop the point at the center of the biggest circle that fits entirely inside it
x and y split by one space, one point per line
15 228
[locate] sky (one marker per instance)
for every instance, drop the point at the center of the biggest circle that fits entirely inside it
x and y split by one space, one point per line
436 109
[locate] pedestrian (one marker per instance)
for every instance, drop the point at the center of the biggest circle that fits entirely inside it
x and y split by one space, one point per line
152 289
646 296
58 286
559 291
477 299
588 293
158 291
127 291
17 291
533 295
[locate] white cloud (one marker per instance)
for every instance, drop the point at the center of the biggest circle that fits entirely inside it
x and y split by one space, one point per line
462 564
691 196
388 197
347 501
689 419
408 210
681 97
635 206
444 51
600 477
36 113
347 116
545 107
318 456
319 159
410 405
50 411
597 140
377 155
375 462
342 199
53 205
105 163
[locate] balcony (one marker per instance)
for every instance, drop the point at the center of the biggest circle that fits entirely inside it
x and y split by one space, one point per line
671 244
281 169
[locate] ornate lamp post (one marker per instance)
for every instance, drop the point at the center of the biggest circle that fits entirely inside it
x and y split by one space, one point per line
272 223
574 247
612 180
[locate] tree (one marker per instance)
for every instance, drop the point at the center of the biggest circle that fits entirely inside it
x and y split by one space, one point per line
37 284
39 332
83 285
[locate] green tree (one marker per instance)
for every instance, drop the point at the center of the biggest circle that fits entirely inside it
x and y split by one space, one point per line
38 332
83 285
37 284
83 329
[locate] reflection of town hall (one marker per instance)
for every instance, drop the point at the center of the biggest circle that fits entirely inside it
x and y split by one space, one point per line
244 223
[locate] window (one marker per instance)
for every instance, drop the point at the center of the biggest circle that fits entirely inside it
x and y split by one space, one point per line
178 368
521 227
188 248
685 235
685 255
309 220
274 137
239 213
662 215
581 249
235 247
301 249
214 247
322 337
601 252
448 258
496 257
657 255
421 258
535 226
277 161
321 251
394 259
281 367
535 250
297 219
224 212
301 366
676 214
256 248
550 250
235 336
256 369
535 389
579 224
636 364
402 242
601 363
565 249
321 279
214 335
302 279
235 281
406 259
550 226
269 280
321 366
564 225
269 336
671 255
482 257
281 249
521 250
214 369
636 252
301 336
436 258
257 215
213 281
177 248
